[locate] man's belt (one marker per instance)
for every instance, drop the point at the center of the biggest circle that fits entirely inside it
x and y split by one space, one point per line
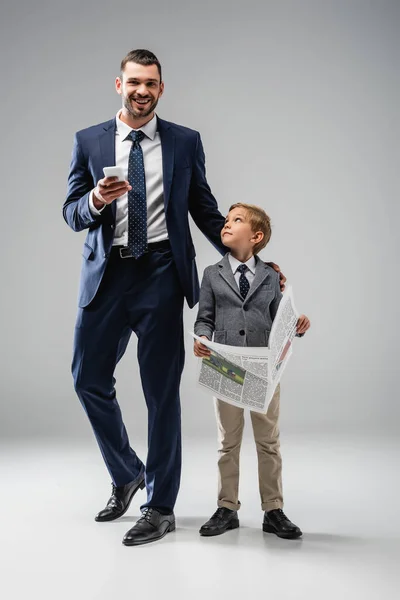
124 252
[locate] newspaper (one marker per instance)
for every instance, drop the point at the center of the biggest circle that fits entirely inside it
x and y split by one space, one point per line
245 376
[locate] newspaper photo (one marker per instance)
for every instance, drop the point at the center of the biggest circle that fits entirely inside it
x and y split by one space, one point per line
246 376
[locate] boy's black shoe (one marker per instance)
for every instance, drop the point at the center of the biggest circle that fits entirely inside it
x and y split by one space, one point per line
275 521
222 520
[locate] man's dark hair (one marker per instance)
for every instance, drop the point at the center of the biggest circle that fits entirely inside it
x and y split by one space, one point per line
141 57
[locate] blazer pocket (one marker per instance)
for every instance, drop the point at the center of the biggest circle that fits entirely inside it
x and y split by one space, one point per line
220 337
87 251
257 337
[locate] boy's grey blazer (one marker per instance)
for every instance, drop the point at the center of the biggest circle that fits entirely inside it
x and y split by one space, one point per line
224 313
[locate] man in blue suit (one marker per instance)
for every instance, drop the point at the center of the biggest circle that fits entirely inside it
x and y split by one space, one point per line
138 266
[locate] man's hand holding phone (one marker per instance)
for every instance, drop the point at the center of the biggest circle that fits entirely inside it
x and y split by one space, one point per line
111 187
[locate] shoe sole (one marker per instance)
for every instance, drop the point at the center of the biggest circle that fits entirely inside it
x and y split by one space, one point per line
141 486
286 536
140 543
232 525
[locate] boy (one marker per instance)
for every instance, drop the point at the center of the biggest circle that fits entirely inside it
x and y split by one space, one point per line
239 299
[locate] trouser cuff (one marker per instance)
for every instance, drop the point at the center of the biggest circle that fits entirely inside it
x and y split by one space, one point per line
230 505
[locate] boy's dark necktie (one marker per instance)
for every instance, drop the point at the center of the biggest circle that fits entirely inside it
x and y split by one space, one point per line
244 285
137 205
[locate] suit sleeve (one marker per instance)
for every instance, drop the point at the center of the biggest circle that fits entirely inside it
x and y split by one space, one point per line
273 307
202 204
76 210
205 322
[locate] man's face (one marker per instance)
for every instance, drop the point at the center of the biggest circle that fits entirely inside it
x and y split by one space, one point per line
237 233
140 88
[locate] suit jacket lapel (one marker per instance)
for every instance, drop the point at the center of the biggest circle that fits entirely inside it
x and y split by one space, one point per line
107 150
225 270
262 272
168 151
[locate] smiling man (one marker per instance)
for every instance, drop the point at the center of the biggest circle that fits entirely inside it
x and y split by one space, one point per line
138 266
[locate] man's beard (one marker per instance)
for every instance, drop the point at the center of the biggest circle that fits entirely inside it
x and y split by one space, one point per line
134 113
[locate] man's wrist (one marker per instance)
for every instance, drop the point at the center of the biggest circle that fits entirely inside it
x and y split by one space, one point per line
95 210
98 204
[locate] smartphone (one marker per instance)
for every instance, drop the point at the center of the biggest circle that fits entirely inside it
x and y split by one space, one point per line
114 172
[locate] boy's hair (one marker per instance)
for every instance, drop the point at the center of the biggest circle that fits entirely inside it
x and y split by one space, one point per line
259 221
141 57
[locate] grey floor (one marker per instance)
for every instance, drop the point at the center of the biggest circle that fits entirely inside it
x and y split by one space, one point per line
342 491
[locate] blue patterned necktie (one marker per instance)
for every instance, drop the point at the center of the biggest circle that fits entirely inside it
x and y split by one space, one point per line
244 285
137 205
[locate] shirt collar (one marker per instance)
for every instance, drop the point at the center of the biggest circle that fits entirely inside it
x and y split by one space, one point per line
150 129
235 263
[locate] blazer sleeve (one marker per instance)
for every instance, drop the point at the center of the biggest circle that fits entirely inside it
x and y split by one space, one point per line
76 211
202 205
205 322
273 307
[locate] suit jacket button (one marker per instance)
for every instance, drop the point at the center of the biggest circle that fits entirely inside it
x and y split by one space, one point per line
106 254
242 332
112 226
246 307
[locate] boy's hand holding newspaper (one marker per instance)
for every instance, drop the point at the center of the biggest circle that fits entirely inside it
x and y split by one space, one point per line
200 349
303 324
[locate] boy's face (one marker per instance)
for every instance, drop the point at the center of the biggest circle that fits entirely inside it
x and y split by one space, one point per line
237 233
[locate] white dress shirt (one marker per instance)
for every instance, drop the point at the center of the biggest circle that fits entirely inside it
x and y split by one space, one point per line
251 268
152 159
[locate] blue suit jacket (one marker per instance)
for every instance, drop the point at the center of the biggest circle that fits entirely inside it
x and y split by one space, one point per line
185 191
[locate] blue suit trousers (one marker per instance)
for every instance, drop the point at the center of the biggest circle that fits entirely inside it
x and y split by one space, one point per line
144 296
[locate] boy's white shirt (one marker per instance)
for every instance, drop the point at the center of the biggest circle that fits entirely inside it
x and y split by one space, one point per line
250 264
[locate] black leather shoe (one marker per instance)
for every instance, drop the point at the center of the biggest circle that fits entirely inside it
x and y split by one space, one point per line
222 520
275 521
120 500
151 526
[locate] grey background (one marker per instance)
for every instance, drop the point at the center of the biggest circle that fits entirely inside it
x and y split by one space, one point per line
297 104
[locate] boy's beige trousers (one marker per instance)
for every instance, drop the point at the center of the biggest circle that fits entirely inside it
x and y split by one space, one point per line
230 421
